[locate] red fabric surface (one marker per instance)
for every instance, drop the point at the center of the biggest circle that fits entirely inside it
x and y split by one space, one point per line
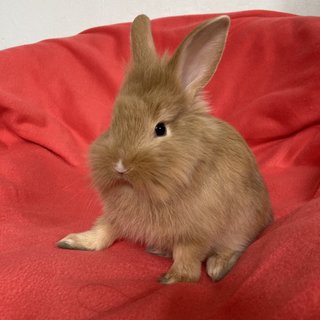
56 96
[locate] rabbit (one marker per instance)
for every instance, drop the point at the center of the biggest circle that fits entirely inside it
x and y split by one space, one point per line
170 175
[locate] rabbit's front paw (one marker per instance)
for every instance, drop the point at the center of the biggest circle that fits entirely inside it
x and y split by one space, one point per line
98 237
173 277
79 241
182 273
218 265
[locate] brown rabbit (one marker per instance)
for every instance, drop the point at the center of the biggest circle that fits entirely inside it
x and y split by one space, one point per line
170 175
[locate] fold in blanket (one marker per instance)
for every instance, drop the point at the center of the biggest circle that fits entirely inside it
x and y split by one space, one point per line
56 97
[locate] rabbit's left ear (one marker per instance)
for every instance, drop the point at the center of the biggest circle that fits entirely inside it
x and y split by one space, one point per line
142 45
197 58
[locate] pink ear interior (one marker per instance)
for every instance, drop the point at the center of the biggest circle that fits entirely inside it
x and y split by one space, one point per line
201 53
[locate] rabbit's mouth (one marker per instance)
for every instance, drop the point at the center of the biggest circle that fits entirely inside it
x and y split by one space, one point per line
121 181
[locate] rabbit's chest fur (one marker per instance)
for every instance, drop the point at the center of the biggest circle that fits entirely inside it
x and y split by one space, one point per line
139 220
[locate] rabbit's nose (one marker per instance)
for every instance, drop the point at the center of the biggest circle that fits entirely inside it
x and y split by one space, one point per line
120 168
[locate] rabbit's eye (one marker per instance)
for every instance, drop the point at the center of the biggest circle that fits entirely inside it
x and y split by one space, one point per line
160 129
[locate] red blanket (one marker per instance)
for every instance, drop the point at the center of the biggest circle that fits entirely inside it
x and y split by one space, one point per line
56 96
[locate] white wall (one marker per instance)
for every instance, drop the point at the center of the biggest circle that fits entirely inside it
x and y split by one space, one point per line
27 21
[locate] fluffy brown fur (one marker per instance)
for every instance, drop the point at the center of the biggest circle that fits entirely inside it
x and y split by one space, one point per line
194 194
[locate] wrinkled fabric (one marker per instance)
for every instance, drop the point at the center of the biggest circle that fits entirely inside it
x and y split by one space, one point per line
56 97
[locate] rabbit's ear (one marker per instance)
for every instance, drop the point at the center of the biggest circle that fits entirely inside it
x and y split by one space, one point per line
198 56
142 44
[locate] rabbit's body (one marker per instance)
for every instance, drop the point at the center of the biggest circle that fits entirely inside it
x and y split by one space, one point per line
170 175
208 209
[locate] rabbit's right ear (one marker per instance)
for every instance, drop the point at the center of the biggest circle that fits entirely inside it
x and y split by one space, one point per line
197 58
142 45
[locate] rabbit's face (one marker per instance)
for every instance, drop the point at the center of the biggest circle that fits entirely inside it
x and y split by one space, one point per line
152 142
